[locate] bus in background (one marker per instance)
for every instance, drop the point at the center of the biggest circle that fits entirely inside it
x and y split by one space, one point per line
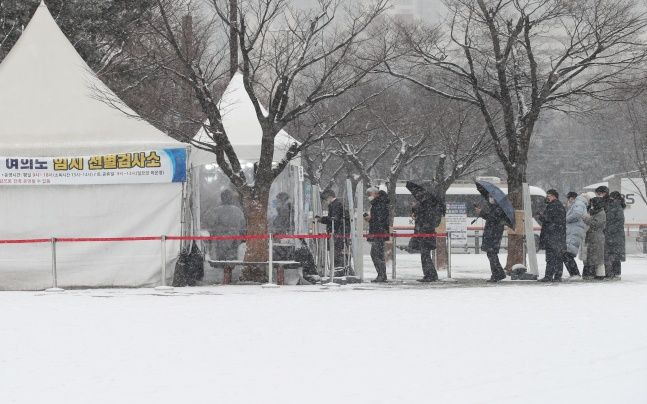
460 192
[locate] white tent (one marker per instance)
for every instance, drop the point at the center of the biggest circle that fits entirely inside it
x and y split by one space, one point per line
242 128
52 105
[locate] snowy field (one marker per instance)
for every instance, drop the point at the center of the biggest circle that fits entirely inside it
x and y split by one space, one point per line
451 342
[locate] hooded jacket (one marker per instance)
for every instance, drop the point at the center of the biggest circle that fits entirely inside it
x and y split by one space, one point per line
428 212
379 219
575 226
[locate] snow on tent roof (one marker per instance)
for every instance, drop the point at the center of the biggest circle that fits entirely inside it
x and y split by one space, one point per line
51 103
242 127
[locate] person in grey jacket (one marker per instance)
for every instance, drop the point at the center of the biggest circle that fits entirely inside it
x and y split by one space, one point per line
228 220
596 220
575 230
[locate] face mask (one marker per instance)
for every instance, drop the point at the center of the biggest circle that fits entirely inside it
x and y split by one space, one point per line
370 198
491 200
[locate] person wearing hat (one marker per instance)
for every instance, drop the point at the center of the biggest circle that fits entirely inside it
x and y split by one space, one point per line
378 223
614 248
575 231
553 236
602 192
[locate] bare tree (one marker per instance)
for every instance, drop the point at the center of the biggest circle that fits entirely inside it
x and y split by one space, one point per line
515 59
412 128
638 126
291 60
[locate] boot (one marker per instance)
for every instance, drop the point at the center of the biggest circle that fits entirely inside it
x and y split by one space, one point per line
545 279
379 279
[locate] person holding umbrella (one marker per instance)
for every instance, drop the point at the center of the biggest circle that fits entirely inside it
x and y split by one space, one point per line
553 236
429 211
497 212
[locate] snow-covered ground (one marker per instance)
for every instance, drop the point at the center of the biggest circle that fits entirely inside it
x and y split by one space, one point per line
452 342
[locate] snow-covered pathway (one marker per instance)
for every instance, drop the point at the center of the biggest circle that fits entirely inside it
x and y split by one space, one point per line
567 343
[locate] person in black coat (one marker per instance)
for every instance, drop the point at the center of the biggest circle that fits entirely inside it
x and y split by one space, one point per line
430 209
495 220
378 223
614 248
336 223
553 236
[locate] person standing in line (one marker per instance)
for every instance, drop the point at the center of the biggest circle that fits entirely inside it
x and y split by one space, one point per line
337 220
553 236
495 220
614 249
575 231
596 219
378 223
429 211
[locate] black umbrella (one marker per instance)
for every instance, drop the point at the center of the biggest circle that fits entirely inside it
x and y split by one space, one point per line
488 189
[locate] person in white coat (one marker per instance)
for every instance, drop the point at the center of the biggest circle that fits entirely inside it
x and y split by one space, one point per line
575 231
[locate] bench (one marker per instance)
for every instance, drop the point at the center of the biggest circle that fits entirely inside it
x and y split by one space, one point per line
229 265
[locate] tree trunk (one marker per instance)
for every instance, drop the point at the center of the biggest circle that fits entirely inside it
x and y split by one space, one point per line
255 207
515 194
233 38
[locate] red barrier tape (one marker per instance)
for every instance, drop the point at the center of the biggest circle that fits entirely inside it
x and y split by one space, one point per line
26 241
91 239
217 238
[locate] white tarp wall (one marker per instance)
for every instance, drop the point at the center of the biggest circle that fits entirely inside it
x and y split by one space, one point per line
51 106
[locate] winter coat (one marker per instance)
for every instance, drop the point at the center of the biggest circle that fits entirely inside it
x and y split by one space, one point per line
282 223
337 215
429 211
378 222
575 226
228 220
615 230
553 227
595 238
495 219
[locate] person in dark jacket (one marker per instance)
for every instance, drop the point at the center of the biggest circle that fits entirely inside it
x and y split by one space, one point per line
553 236
495 220
614 249
378 223
336 223
429 211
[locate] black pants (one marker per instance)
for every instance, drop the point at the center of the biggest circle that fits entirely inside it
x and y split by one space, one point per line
377 255
612 265
495 264
340 253
571 265
554 264
428 268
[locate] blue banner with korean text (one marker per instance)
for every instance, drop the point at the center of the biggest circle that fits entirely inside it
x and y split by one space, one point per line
140 167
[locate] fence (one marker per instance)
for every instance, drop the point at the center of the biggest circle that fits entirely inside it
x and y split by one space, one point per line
54 241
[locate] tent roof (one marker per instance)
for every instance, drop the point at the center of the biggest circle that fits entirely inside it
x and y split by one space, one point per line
51 103
242 127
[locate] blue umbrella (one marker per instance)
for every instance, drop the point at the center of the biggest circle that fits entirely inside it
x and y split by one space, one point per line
488 189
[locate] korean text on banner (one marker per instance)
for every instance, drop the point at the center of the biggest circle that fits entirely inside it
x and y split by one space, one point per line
141 167
456 221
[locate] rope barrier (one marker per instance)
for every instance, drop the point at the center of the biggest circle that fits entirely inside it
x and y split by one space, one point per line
217 238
